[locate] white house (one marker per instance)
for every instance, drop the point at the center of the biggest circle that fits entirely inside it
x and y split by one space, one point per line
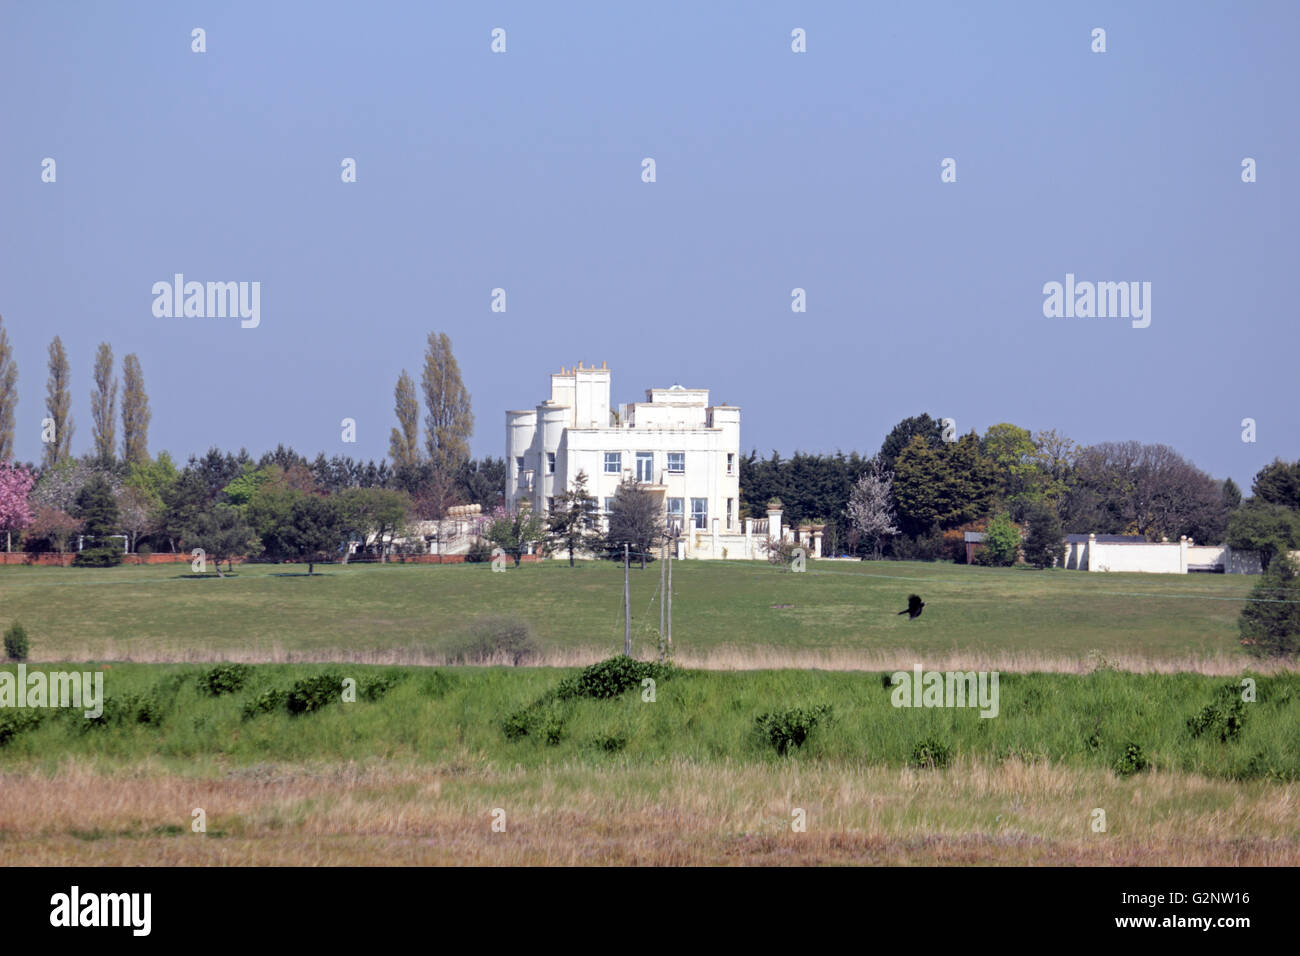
674 443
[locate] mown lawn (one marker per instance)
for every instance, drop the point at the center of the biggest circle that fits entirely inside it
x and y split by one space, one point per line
726 613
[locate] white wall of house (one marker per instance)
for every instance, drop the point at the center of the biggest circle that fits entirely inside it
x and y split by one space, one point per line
675 443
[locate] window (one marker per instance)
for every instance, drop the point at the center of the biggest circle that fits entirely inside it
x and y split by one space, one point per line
609 505
676 462
550 505
729 503
645 466
731 463
550 462
613 463
676 510
700 512
519 463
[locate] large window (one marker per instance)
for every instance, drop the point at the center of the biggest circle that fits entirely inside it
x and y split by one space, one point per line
729 518
645 466
613 463
550 462
700 513
676 511
731 463
519 463
609 505
676 462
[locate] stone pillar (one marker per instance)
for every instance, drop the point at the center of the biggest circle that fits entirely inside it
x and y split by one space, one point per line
1183 544
749 538
774 523
1092 553
817 544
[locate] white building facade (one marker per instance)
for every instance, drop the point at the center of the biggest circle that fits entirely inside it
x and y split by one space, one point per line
674 443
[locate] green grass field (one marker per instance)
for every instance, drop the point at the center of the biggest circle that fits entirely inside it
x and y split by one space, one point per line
1091 666
725 613
420 774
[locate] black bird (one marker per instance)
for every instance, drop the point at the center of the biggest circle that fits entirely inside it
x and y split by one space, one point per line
914 605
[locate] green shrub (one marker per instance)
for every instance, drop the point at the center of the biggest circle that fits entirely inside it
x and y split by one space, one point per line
17 646
1131 761
1225 717
14 722
611 744
107 557
612 677
1001 543
790 728
1271 627
224 679
267 702
310 694
372 688
479 552
931 754
120 711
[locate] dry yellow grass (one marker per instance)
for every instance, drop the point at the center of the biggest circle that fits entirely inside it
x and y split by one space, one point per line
672 813
725 657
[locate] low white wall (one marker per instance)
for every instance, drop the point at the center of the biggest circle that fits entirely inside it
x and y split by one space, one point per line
1150 558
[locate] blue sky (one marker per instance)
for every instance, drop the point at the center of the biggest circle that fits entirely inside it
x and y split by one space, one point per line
775 170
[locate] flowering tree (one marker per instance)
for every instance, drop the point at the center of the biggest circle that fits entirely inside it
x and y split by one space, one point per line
15 512
514 531
52 525
871 506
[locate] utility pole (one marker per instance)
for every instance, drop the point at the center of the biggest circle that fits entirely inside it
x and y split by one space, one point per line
662 597
668 592
627 609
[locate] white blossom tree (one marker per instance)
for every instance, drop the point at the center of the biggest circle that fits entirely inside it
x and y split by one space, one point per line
871 506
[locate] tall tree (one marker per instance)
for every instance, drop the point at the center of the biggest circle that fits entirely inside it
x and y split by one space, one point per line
901 435
572 523
15 510
404 441
58 406
1279 483
135 412
103 405
448 420
8 396
636 518
871 507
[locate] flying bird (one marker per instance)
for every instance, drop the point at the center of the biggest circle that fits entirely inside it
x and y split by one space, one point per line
914 605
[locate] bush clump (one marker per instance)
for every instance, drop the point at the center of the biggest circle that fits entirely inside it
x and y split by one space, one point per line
790 728
1225 717
224 679
267 702
498 639
17 646
374 687
14 722
98 558
310 694
931 754
611 677
1131 761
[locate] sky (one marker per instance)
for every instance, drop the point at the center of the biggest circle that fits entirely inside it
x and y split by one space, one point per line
774 170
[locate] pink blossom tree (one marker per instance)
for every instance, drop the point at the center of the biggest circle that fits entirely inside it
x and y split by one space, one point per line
15 512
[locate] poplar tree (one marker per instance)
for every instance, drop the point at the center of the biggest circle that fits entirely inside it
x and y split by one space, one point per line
58 406
8 396
404 441
448 421
103 405
135 413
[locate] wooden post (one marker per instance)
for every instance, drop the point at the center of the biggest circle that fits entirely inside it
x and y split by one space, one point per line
627 608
